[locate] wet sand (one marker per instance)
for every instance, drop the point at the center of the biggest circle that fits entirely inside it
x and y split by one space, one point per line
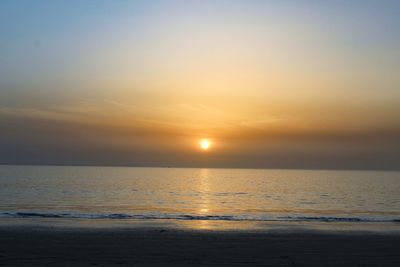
24 246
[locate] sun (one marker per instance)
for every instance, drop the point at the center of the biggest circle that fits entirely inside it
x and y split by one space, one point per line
205 144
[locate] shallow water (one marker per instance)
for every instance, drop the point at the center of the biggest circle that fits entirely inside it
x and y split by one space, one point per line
199 194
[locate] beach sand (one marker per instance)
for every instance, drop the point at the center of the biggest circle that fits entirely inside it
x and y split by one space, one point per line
30 246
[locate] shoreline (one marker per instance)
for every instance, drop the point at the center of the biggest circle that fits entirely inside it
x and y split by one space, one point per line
157 246
258 227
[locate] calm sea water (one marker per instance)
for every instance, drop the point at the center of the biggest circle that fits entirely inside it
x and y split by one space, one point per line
199 194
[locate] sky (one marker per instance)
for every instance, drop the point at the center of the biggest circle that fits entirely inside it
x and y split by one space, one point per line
271 84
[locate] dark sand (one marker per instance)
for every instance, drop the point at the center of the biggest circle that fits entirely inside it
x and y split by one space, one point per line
155 247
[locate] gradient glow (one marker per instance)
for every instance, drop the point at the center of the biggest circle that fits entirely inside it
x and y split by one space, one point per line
285 84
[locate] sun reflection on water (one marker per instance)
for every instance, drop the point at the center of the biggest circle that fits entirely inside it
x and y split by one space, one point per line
204 203
204 188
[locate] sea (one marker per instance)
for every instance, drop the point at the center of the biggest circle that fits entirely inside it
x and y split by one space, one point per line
199 198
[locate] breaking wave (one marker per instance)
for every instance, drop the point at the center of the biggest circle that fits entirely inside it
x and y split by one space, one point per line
193 217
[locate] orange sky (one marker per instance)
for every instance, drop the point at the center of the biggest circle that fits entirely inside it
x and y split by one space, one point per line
272 84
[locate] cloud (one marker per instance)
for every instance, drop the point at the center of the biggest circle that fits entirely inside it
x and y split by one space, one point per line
111 132
262 121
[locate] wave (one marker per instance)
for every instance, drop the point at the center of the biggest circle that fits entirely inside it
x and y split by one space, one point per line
193 217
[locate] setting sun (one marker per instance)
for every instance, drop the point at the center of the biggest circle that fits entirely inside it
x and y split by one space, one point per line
205 144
